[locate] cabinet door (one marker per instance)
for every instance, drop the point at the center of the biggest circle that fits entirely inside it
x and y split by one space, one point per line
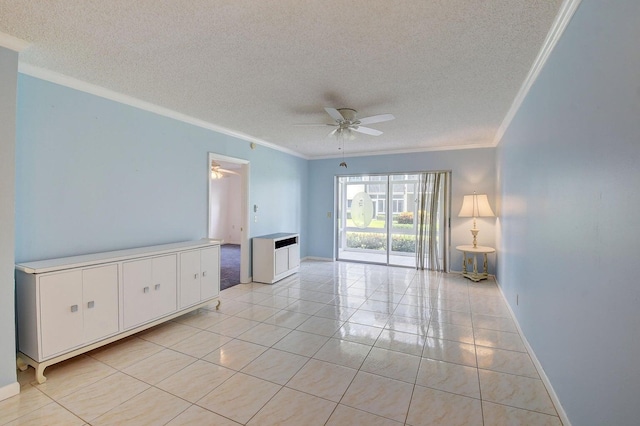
100 302
136 284
210 268
164 284
282 261
61 311
294 256
189 278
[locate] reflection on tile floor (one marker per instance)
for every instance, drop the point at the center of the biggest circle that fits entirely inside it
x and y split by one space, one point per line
337 344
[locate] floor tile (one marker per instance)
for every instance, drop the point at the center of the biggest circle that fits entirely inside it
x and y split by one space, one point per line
159 366
408 325
458 333
240 397
342 352
236 354
201 318
318 325
201 344
375 319
450 351
344 415
233 327
275 366
494 323
395 365
448 377
195 380
29 399
359 333
379 395
288 319
123 353
301 343
399 341
452 317
323 379
153 405
434 407
264 334
499 339
50 415
96 399
502 415
73 374
290 407
515 391
196 415
511 362
257 313
168 334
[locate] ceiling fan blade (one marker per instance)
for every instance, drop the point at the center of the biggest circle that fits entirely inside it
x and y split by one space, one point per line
366 130
333 132
376 118
335 114
315 124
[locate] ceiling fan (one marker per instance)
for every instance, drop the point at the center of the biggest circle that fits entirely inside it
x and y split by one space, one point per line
346 121
217 172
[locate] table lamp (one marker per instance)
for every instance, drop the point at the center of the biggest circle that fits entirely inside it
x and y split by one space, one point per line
476 205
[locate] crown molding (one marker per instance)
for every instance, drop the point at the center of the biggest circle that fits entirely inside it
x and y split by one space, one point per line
406 151
102 92
13 43
566 12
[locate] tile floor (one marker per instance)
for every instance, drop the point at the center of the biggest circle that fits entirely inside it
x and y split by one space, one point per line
337 344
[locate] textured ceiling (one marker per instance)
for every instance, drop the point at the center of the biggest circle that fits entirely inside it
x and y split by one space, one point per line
449 70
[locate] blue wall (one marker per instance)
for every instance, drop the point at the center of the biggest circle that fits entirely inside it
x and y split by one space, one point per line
569 169
471 170
96 175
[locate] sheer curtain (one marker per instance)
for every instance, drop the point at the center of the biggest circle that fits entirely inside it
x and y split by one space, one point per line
430 229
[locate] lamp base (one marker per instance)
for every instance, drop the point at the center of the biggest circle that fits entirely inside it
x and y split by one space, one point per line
474 232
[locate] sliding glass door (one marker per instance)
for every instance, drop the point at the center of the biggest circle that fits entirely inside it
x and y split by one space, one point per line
378 218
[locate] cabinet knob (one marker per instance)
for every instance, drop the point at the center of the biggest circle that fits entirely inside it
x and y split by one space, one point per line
91 304
204 273
145 290
74 308
157 287
195 276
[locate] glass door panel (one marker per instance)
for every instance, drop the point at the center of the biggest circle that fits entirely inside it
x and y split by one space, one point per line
362 225
403 220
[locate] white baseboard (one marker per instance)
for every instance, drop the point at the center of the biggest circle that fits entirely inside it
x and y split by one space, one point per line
9 390
323 259
552 393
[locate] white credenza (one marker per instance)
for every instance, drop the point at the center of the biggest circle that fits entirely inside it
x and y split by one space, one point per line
275 257
72 305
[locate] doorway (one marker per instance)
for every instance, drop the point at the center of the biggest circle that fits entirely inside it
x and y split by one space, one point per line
228 219
379 221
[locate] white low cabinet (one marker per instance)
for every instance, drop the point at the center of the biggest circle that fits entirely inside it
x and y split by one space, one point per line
199 275
72 305
275 257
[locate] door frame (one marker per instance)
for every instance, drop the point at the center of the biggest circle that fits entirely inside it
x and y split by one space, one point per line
244 208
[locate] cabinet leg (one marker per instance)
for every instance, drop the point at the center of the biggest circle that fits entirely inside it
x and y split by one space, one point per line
218 305
22 366
40 374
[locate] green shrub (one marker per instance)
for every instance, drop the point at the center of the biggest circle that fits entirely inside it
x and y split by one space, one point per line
403 243
405 218
371 241
366 240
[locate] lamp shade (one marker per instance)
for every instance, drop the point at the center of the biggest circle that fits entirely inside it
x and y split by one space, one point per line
476 205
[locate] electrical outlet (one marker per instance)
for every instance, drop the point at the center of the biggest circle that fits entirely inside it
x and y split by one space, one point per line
329 215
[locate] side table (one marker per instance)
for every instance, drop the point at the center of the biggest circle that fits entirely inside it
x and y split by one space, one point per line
473 252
